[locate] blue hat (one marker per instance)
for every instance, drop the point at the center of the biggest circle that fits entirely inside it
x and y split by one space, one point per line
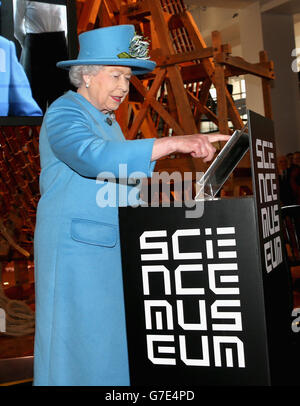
115 45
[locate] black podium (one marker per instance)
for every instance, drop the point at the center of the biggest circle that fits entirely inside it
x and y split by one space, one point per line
208 300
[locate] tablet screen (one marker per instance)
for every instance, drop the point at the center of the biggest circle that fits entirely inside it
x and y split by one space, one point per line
223 165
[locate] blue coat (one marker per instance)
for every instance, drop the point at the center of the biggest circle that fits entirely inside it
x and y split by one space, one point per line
15 92
80 320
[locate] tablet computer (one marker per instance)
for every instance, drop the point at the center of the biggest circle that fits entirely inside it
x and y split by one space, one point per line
223 165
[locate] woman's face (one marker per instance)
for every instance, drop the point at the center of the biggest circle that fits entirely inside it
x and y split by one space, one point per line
108 88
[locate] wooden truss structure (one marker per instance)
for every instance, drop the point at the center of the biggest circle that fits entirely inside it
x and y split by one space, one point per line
174 98
19 186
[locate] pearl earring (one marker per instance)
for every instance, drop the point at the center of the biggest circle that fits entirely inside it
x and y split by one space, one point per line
87 85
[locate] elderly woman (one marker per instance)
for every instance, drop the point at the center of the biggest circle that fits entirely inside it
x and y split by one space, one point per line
80 320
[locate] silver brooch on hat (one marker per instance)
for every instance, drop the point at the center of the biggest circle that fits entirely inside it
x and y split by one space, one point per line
138 48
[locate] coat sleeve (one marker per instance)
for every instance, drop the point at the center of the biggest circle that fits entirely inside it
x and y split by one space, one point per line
87 152
21 102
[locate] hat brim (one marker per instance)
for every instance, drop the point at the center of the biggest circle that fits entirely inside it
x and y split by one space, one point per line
139 66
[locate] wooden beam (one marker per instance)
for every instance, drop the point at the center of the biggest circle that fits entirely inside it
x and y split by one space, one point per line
185 115
171 100
266 88
204 92
233 113
147 126
172 123
197 72
262 69
122 116
106 14
151 101
210 115
203 98
209 67
112 6
149 96
197 40
158 79
220 85
136 10
193 73
202 108
88 15
229 109
11 241
186 56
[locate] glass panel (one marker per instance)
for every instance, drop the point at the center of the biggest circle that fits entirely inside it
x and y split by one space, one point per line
38 32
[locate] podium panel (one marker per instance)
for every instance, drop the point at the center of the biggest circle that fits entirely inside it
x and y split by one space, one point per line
194 295
208 300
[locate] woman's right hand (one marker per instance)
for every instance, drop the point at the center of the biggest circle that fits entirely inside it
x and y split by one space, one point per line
197 145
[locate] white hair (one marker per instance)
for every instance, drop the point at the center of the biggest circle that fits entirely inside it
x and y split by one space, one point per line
77 71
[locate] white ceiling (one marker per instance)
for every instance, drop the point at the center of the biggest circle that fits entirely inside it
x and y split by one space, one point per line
222 3
226 19
274 6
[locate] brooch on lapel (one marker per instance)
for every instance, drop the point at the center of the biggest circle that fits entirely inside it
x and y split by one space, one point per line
110 119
